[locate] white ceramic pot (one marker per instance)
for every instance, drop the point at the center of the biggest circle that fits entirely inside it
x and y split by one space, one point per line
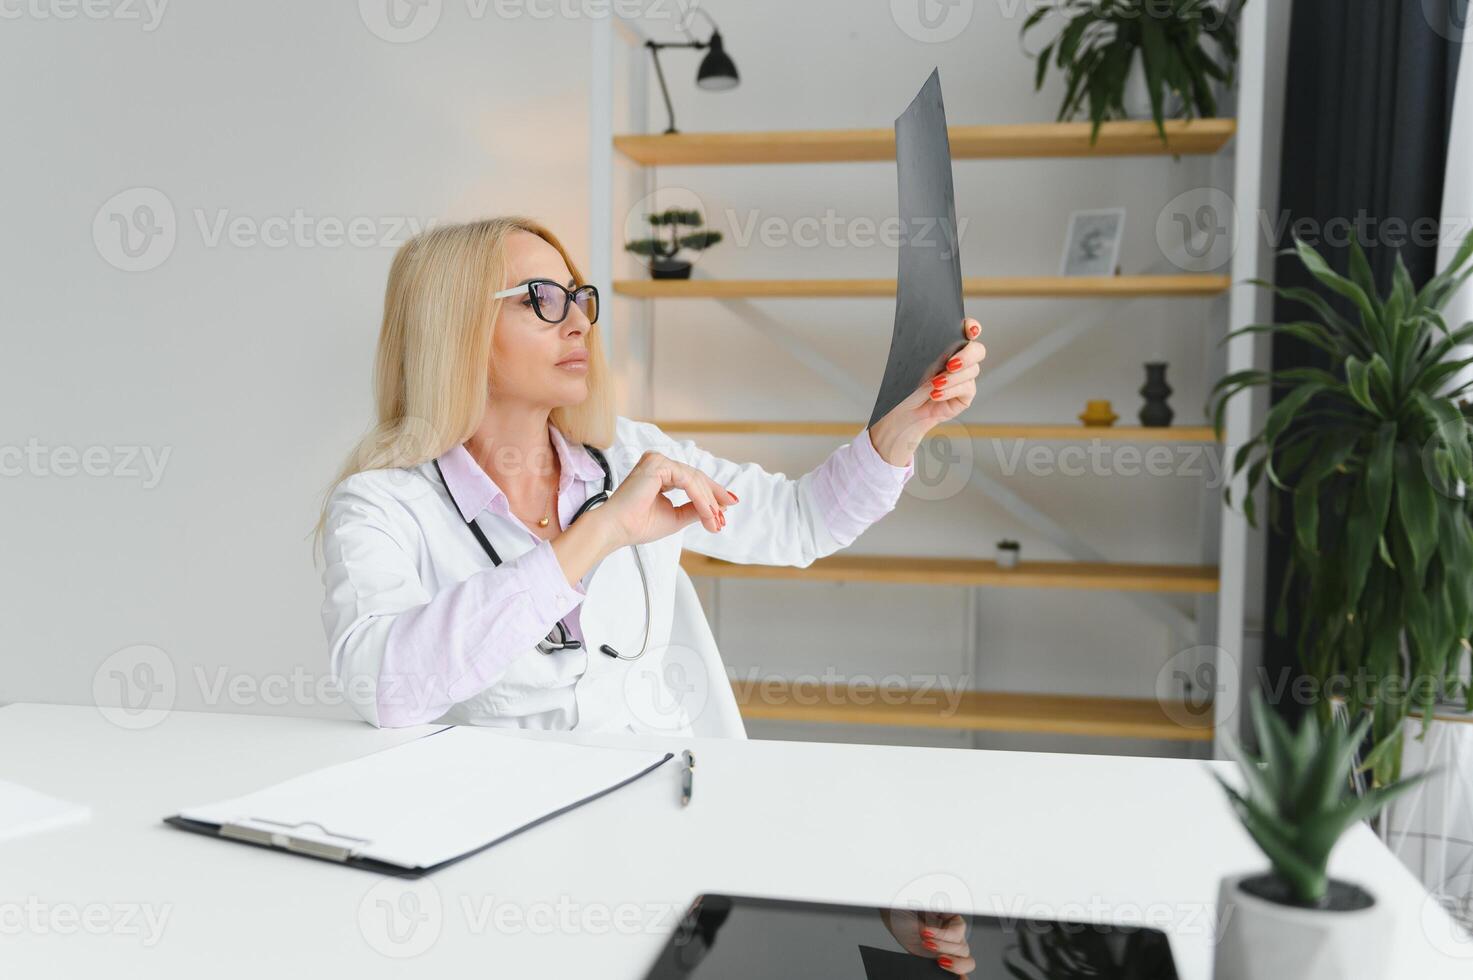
1137 97
1263 940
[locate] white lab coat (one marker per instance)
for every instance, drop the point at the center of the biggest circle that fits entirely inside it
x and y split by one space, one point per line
396 538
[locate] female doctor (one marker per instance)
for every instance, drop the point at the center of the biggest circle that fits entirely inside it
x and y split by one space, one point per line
500 549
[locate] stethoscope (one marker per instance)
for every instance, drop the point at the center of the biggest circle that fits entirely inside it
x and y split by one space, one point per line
559 638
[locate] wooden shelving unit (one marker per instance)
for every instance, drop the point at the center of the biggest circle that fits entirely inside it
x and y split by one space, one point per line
1221 621
1027 140
1041 714
1085 575
995 287
1040 432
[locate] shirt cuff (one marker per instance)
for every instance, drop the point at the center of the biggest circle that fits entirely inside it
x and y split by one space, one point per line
548 591
856 487
876 471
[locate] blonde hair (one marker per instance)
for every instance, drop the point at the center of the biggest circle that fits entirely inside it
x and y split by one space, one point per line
430 376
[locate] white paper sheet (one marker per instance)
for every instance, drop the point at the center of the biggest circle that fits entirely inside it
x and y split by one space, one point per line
24 811
437 797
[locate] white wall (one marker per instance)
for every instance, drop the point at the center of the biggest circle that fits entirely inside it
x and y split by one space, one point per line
250 364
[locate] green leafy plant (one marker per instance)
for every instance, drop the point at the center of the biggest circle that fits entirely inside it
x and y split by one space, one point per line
1374 458
1299 799
674 219
1100 39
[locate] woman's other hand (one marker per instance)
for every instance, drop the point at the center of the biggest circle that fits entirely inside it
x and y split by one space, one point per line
939 399
638 511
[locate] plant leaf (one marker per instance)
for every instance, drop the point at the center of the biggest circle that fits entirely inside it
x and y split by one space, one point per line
1042 66
1370 503
1416 506
1315 264
1154 58
1358 381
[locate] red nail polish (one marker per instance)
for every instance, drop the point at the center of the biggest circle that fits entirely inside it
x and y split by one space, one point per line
734 497
938 381
927 934
973 330
954 364
930 944
945 962
937 393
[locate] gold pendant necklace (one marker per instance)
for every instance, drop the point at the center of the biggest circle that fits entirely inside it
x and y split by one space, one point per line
547 515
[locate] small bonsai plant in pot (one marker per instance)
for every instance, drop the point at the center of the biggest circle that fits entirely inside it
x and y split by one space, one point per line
1124 59
1008 552
662 252
1297 799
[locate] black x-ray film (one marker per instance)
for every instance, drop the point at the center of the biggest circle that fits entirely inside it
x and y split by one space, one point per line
928 291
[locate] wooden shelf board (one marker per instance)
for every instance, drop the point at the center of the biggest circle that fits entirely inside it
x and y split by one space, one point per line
1098 576
955 430
772 699
1014 141
1015 287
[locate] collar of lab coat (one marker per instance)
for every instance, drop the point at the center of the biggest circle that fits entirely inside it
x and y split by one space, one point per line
474 491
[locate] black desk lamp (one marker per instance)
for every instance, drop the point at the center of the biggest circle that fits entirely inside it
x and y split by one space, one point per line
716 74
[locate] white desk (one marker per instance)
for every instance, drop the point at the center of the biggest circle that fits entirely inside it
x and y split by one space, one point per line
594 893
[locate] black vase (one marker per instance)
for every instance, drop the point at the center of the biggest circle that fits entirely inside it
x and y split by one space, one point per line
1155 413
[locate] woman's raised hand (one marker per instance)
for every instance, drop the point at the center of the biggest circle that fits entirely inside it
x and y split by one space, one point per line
638 512
939 399
938 936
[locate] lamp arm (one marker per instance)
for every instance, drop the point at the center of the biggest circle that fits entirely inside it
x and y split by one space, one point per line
660 74
655 47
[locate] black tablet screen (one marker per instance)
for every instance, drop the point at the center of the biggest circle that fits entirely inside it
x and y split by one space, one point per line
725 938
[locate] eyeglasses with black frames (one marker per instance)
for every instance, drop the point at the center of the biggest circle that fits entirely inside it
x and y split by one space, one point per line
551 300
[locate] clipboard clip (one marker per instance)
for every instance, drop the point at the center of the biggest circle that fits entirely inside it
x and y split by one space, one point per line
304 838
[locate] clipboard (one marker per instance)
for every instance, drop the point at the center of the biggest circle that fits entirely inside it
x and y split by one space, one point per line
423 805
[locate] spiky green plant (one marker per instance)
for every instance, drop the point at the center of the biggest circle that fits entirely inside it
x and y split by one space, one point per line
1374 457
1299 798
673 218
1099 41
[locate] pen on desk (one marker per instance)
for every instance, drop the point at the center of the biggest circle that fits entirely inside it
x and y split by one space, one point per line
687 777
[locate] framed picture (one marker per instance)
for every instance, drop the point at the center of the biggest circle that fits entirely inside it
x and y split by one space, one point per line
1092 243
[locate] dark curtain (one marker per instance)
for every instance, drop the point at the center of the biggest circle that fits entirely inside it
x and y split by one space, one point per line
1366 120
